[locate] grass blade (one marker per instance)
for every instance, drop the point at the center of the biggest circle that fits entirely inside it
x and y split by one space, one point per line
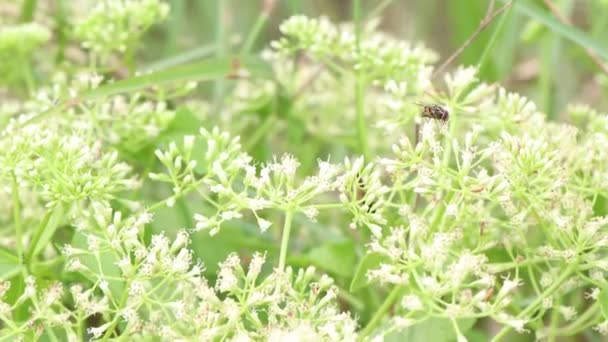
210 69
570 33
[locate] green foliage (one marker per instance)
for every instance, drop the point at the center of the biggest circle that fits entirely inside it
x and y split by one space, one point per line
17 44
153 193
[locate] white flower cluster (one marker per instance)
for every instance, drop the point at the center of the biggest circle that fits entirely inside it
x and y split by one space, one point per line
520 184
131 122
47 310
61 166
115 25
490 213
380 58
156 289
362 193
233 183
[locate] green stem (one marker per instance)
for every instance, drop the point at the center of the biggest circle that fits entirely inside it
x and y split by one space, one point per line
121 305
484 56
27 10
581 322
255 31
220 50
554 320
17 219
539 300
285 238
360 87
261 132
61 21
185 211
176 26
377 11
388 302
129 58
361 129
28 77
351 299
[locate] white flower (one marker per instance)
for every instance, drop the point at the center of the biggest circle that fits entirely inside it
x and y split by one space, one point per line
98 331
311 213
602 328
412 303
264 224
568 312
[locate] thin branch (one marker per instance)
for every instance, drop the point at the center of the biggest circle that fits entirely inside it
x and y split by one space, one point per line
308 82
566 21
487 19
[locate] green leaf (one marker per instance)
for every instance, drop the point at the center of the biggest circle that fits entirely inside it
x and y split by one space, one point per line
184 122
107 266
46 230
21 312
369 261
477 335
571 33
181 58
235 236
434 329
604 302
600 207
206 70
335 257
9 264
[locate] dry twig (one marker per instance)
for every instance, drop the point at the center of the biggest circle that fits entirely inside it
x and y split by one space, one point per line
487 19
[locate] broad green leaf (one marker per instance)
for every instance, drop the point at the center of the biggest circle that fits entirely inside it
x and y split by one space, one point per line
107 265
433 329
477 335
209 69
369 261
571 33
184 122
234 236
604 302
335 257
21 313
45 230
600 207
9 263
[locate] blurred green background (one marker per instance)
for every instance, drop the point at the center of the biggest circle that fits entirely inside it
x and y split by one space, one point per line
524 55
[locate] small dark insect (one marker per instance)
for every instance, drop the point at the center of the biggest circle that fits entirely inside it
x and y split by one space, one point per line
488 295
433 111
360 193
235 68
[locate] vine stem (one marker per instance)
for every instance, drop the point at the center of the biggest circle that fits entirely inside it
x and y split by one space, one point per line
285 238
388 302
554 287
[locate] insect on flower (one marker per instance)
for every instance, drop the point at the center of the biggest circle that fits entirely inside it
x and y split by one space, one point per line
433 111
360 193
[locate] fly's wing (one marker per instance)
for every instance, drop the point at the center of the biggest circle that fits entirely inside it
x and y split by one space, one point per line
426 112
